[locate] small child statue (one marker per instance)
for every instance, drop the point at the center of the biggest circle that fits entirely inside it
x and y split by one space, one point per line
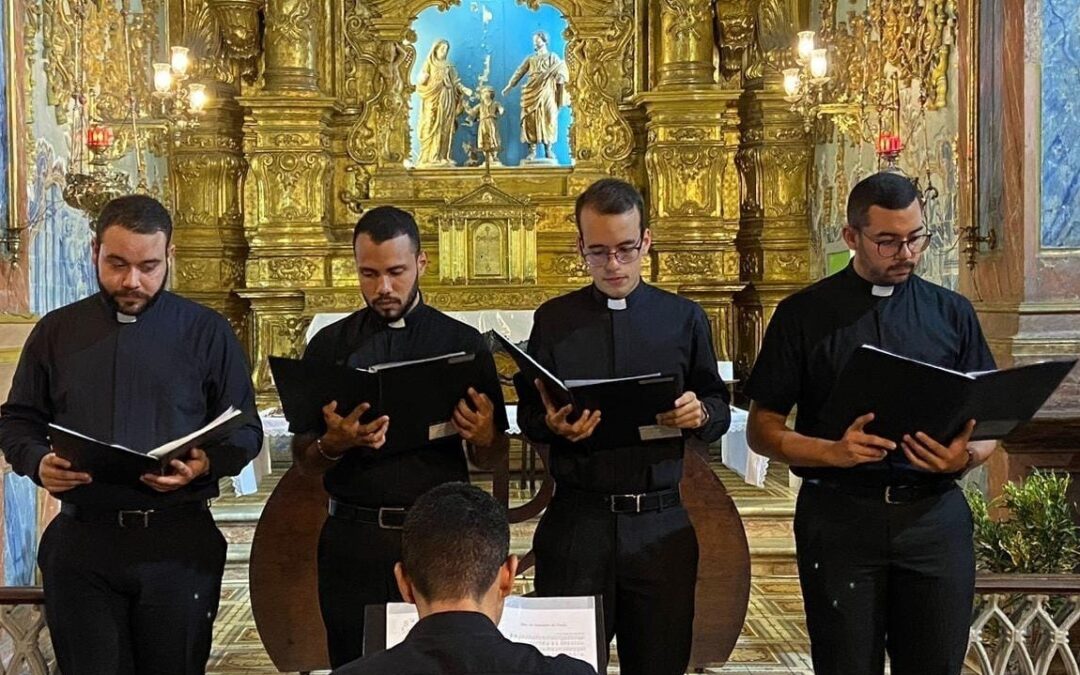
487 111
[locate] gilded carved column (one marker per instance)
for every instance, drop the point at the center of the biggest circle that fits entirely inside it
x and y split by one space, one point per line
206 171
774 236
692 135
686 44
206 166
287 194
292 35
691 145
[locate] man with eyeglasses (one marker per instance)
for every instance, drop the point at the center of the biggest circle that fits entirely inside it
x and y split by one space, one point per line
883 534
615 525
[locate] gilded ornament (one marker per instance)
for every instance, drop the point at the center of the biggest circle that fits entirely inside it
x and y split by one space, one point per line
291 269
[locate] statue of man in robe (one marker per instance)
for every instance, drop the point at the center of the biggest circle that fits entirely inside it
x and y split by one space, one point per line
541 97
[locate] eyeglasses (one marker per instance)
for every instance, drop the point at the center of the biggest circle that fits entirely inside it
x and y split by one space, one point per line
891 247
622 254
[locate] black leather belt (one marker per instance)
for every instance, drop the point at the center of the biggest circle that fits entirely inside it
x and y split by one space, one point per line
134 518
643 502
890 494
388 518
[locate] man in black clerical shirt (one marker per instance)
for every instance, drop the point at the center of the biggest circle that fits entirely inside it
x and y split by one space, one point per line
457 569
883 534
132 573
616 525
371 490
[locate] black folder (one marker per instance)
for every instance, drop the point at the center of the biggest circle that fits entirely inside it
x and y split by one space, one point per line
418 396
119 465
628 406
907 396
374 638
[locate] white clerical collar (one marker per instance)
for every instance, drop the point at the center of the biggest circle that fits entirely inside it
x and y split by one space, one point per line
881 291
616 304
399 323
126 318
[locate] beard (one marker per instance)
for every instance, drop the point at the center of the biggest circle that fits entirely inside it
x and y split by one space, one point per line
389 308
114 298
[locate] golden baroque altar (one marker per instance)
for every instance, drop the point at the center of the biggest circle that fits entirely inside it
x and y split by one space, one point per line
309 126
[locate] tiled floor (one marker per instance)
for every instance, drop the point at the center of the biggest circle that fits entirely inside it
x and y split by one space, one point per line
773 639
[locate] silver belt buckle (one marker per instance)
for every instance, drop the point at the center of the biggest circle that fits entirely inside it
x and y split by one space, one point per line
888 495
636 497
382 523
145 517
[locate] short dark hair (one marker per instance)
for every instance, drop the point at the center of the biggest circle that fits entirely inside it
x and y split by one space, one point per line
138 213
886 189
456 536
543 36
383 223
610 196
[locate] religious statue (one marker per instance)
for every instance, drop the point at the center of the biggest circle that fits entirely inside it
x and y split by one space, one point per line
487 112
541 97
442 99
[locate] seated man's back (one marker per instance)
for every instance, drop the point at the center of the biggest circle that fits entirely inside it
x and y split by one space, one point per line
457 569
463 643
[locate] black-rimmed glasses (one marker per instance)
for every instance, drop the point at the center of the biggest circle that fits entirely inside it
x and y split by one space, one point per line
622 254
891 247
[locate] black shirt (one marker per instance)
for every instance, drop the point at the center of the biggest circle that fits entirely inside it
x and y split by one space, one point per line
462 643
578 336
815 331
140 384
369 477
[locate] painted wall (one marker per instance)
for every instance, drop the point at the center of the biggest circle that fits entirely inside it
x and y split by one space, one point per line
1060 121
930 144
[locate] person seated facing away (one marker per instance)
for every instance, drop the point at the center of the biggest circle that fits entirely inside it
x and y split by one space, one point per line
456 568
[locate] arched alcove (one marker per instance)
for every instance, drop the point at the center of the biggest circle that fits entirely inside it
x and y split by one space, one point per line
488 41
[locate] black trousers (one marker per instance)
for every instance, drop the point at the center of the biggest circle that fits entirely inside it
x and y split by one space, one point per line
644 565
877 578
132 600
356 568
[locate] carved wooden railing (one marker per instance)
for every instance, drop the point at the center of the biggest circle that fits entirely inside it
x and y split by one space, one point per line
22 629
1024 624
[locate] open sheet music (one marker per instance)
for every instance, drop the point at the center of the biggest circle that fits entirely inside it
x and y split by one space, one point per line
907 396
117 464
552 625
628 405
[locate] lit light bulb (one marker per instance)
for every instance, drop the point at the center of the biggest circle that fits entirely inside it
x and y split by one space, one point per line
197 97
180 60
792 82
162 77
819 63
806 45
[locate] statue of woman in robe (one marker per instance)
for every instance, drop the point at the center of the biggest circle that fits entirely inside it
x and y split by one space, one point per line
442 99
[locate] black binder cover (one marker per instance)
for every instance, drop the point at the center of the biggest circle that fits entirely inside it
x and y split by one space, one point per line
907 396
118 465
418 396
628 406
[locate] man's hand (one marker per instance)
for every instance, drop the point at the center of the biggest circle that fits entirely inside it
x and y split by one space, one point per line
687 414
556 418
477 427
55 476
346 432
197 464
858 447
927 454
